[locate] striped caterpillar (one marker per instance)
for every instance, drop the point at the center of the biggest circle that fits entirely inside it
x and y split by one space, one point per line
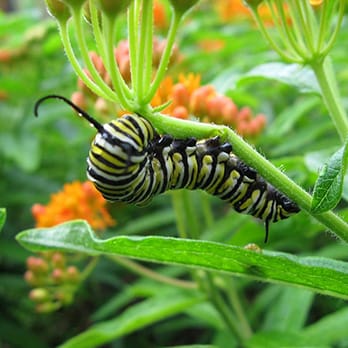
130 162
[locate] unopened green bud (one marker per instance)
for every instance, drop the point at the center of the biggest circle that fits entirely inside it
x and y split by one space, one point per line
58 10
252 3
47 307
74 4
182 6
112 8
39 295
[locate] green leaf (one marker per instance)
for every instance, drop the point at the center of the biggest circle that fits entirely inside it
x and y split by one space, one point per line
290 74
289 310
329 329
308 272
133 318
276 339
286 120
2 217
329 186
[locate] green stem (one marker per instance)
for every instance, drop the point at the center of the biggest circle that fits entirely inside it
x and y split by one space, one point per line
330 93
307 24
219 303
76 66
341 13
132 40
77 17
97 32
118 83
89 268
174 25
181 129
237 307
140 68
180 214
146 272
323 26
287 56
191 216
148 38
206 210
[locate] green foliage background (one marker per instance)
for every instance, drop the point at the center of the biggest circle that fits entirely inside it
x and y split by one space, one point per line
37 156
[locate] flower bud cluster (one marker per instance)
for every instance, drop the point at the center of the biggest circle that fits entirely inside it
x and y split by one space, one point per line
83 95
53 281
188 98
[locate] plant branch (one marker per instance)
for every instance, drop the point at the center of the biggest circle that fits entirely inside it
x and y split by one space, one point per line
174 25
330 93
77 17
181 129
144 271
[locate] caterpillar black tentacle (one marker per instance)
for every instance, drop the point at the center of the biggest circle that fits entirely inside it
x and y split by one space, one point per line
130 162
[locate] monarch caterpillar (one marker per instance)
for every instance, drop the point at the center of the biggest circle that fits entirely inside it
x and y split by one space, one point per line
130 162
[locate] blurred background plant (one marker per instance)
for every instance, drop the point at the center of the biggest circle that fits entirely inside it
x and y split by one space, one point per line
222 72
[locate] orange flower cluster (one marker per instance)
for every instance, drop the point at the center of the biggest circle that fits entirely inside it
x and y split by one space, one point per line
76 201
54 282
189 98
232 10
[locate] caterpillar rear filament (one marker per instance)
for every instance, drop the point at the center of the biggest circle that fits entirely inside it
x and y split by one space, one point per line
130 162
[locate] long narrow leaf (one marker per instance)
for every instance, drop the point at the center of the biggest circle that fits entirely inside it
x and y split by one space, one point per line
2 217
322 275
134 318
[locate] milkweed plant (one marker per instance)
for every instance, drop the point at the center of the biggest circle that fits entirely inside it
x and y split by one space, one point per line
303 34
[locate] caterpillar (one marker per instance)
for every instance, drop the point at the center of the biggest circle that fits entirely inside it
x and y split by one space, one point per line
130 162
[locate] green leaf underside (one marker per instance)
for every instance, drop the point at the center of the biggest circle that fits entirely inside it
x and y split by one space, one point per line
321 275
329 185
291 74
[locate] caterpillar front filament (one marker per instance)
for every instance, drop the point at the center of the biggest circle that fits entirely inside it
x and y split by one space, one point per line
130 162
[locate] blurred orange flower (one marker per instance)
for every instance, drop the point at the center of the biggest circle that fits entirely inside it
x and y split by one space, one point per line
178 93
76 201
236 10
159 15
188 97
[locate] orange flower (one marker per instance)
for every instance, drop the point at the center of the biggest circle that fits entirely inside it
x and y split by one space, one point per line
235 10
315 3
187 98
178 94
76 201
159 15
232 9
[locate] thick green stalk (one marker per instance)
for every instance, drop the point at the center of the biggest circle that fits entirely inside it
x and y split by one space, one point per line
182 129
330 93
